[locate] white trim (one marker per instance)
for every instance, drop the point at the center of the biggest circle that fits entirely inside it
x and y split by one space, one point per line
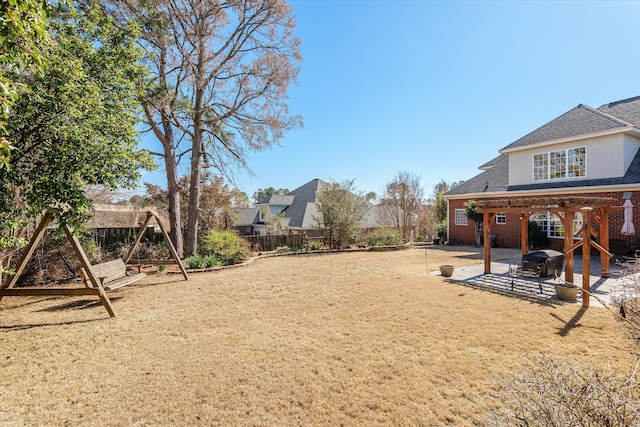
548 178
546 191
625 129
464 221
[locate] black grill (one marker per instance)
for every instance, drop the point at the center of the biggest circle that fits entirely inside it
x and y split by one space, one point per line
547 261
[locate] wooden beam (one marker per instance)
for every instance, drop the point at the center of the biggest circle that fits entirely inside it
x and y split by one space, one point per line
33 244
172 248
604 242
586 256
139 235
95 289
487 241
84 261
567 220
40 292
524 233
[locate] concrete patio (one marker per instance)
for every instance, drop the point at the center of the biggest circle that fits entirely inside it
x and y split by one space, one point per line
624 281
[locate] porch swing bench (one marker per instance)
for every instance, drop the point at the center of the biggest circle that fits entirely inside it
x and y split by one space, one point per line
112 275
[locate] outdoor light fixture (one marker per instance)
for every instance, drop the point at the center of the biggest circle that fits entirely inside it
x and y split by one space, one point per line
626 195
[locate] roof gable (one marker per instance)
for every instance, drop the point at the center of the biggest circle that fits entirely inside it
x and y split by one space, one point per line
492 180
581 120
277 200
627 110
304 196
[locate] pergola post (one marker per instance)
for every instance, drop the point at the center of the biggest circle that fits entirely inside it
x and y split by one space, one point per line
603 222
524 232
568 242
565 207
487 242
586 255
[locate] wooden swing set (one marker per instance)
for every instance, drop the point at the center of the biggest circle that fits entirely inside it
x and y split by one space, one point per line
97 279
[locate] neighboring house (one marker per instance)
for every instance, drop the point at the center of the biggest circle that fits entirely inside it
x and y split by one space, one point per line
111 223
585 152
297 208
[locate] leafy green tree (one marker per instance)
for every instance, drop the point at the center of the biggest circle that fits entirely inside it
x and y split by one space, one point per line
440 204
476 217
76 124
23 35
340 211
262 193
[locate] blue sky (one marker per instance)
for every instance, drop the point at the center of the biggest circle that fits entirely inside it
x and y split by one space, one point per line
436 88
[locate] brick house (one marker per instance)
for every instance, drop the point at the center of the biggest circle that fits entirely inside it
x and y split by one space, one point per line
585 152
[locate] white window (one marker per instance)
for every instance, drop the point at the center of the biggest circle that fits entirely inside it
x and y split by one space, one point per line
460 217
576 162
501 218
552 226
560 164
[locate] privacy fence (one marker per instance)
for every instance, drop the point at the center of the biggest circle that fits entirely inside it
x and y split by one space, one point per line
109 236
271 242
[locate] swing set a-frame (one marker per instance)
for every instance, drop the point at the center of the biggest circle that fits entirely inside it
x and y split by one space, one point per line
94 284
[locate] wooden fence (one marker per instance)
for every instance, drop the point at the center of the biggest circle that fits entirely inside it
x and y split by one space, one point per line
109 236
271 242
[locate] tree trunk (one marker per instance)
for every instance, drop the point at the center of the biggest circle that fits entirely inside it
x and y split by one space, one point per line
194 187
173 189
194 201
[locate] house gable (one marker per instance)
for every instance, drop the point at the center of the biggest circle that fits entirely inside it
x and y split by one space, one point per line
611 144
610 138
298 207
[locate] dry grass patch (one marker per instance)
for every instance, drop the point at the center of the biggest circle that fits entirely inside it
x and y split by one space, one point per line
340 339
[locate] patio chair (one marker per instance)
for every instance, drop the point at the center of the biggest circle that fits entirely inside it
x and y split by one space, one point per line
532 271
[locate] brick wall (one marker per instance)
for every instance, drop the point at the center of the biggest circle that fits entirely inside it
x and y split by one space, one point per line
508 235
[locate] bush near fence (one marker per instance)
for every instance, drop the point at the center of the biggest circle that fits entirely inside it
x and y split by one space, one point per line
271 242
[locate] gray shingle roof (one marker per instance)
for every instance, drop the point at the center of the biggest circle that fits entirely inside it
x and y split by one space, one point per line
278 200
492 180
491 163
303 196
627 110
246 216
580 120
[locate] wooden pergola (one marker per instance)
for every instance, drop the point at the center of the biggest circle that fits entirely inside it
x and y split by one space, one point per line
565 208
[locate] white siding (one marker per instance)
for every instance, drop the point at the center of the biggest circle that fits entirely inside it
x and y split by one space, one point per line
607 157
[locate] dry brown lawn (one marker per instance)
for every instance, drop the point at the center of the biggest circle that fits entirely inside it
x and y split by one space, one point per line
340 339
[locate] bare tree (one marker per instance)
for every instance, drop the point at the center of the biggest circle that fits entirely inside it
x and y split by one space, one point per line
401 202
220 75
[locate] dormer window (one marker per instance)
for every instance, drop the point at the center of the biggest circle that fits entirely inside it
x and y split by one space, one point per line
560 164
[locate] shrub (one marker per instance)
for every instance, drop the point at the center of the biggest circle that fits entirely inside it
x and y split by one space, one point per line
226 246
314 246
195 261
441 231
537 238
567 393
384 237
210 261
162 267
